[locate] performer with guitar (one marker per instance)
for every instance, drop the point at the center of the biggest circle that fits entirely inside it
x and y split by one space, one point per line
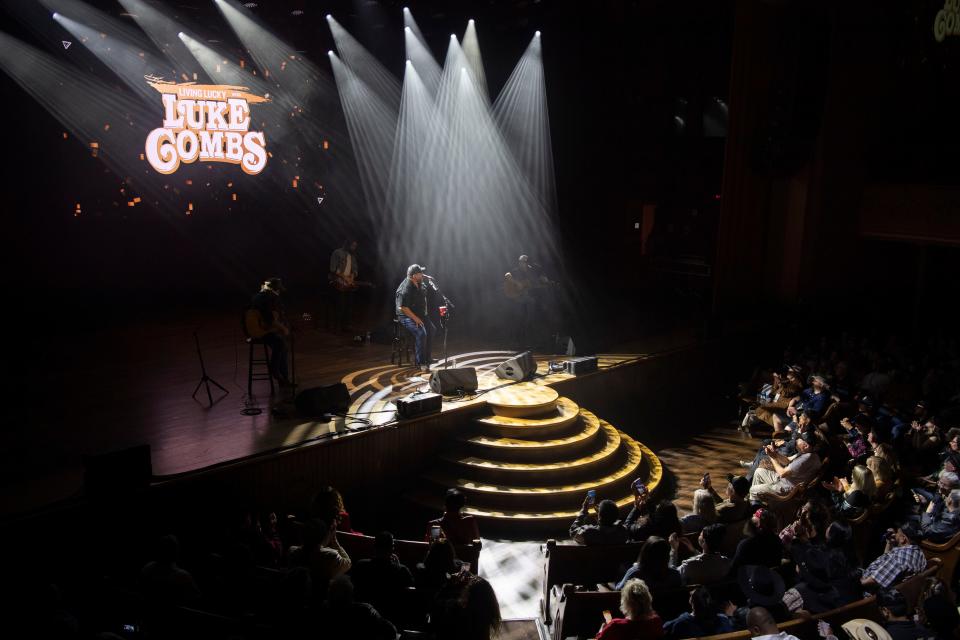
523 288
411 309
343 278
265 319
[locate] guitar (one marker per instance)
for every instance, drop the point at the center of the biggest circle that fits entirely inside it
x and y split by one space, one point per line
347 283
515 289
255 327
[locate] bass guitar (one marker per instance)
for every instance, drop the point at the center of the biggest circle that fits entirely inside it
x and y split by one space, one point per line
347 283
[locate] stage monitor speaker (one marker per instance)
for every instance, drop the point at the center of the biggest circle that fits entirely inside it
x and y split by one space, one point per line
117 472
418 404
579 366
449 382
320 401
520 367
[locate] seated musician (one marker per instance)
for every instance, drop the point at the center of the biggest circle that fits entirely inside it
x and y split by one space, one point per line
267 303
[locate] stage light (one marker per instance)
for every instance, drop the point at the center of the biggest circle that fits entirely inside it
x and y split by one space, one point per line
56 16
408 62
405 28
453 36
406 10
180 35
329 17
330 53
537 34
470 21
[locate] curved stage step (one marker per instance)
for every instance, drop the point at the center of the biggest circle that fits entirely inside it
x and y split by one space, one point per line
534 459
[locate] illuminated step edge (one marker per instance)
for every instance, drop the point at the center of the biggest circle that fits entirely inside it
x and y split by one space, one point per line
556 421
652 467
610 447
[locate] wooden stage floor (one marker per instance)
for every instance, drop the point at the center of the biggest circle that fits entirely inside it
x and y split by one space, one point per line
132 385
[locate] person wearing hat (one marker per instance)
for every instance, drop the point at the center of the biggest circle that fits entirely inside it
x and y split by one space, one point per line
784 391
902 556
762 626
733 505
814 591
784 474
861 629
411 309
269 307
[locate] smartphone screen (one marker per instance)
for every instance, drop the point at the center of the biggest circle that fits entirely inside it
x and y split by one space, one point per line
435 533
607 616
465 567
592 496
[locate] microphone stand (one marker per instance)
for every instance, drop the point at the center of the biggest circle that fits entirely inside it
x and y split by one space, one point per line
444 318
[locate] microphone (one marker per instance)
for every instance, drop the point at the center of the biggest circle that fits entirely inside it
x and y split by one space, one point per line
426 276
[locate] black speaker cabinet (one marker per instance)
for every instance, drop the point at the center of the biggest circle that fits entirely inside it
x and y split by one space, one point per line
117 471
520 367
448 382
579 366
320 401
418 404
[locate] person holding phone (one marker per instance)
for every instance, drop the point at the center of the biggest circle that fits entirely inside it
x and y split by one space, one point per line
640 621
603 528
454 525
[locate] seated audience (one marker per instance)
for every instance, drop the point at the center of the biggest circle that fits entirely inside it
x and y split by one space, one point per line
901 557
379 579
783 473
762 587
321 553
663 522
708 566
327 505
761 625
813 400
733 507
437 566
860 629
456 527
940 523
940 614
762 545
703 619
162 582
466 608
785 443
640 620
810 527
896 617
946 482
853 505
783 393
704 512
604 529
342 617
815 591
861 479
882 476
653 566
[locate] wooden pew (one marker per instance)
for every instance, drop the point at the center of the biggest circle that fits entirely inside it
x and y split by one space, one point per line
410 552
948 553
583 565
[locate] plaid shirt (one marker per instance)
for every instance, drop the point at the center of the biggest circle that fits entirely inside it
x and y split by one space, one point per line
886 568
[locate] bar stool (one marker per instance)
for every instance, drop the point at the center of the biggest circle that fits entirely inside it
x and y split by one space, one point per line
258 368
400 346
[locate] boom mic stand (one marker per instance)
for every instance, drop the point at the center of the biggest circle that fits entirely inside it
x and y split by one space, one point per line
446 313
204 378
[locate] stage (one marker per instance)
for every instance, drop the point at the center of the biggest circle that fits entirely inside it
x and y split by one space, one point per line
102 391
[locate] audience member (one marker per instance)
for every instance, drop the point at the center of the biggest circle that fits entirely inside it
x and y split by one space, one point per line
940 524
653 566
861 629
380 579
810 526
762 545
762 587
788 389
327 505
734 507
456 527
162 582
783 473
704 512
813 400
640 620
901 557
895 611
321 553
465 609
882 476
605 528
437 566
940 614
703 619
815 591
663 522
342 617
708 566
762 626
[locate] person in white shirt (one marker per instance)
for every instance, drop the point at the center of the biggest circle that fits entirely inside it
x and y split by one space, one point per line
762 626
784 473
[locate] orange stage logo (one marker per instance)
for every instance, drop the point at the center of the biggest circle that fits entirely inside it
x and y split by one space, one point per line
207 122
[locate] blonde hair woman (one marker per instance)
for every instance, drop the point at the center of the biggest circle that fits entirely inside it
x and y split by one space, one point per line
639 621
882 475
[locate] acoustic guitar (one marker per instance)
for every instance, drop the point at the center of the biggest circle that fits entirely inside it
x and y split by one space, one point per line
255 327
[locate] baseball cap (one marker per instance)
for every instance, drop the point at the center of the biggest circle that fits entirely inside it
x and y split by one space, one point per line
414 269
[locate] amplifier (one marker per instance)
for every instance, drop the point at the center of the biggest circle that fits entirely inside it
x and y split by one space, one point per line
418 404
578 366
